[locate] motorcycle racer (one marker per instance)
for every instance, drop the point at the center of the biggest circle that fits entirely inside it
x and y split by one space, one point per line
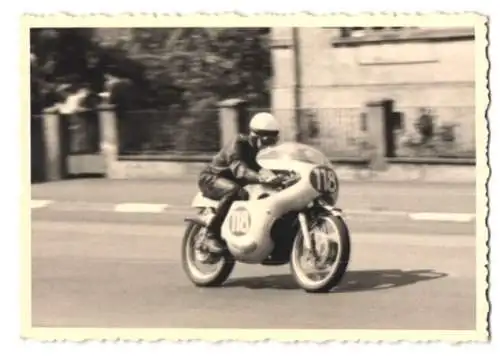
233 167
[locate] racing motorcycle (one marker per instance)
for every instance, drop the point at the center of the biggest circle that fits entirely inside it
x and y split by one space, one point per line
294 222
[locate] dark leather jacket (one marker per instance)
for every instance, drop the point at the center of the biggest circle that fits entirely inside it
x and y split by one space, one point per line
235 161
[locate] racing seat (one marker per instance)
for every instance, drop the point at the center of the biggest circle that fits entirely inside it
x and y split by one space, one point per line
201 201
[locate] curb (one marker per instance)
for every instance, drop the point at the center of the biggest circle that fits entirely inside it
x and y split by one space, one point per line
155 208
395 172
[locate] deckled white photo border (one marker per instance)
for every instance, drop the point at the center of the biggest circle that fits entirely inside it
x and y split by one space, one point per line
232 20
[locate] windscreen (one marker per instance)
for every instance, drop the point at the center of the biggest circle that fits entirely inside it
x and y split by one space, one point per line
295 152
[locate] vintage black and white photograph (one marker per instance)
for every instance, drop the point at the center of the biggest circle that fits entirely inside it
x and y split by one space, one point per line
250 173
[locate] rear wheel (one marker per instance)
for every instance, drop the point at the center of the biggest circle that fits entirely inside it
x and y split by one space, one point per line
323 272
193 253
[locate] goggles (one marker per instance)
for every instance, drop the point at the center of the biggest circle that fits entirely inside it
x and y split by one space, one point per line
267 138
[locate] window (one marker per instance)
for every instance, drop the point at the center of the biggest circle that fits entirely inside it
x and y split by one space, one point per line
357 36
359 32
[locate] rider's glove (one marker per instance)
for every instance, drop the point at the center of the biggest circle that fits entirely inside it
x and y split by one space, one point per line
269 178
266 174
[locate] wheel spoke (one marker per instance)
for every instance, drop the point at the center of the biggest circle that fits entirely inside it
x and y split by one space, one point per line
316 269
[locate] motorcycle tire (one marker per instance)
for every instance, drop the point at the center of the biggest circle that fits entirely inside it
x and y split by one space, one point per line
343 260
214 280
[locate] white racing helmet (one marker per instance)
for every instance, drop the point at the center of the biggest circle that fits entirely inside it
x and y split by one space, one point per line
265 128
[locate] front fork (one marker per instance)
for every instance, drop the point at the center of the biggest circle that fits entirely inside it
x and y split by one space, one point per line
304 228
304 225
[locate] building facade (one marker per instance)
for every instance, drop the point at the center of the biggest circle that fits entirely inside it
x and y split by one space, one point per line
332 73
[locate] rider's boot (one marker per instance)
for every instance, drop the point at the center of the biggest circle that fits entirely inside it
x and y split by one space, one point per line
213 242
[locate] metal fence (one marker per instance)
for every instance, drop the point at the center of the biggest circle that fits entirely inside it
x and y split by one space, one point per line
152 132
452 136
342 132
335 131
339 132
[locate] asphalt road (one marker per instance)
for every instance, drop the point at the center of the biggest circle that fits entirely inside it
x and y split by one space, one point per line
92 267
453 198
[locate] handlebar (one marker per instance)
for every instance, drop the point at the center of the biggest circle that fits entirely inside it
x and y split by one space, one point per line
284 180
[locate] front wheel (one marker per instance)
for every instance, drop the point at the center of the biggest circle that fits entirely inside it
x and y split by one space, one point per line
332 244
193 252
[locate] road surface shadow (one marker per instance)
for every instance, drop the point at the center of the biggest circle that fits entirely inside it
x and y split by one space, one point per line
353 281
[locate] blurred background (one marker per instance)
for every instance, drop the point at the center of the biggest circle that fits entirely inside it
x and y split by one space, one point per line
399 94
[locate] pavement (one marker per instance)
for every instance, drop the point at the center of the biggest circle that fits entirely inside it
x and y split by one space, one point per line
373 196
98 260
